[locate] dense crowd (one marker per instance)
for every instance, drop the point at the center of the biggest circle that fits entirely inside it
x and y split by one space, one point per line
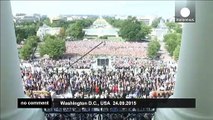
131 78
125 82
110 48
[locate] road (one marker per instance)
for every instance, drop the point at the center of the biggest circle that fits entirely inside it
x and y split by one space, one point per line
165 55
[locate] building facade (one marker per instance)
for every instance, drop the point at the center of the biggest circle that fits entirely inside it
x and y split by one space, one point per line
46 30
160 31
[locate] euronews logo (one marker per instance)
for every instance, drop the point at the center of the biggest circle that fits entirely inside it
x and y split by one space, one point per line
185 12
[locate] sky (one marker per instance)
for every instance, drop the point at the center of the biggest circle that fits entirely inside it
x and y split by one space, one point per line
165 9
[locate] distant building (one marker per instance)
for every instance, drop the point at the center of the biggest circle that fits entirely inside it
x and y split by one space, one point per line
146 19
38 16
118 17
160 31
57 18
46 30
21 17
100 28
29 19
75 17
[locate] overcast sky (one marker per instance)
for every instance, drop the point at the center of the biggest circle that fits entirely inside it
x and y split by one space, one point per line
54 8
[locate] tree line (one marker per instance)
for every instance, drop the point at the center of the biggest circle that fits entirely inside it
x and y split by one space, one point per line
173 39
72 29
131 29
54 46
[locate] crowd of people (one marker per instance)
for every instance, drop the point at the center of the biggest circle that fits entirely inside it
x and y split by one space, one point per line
110 48
130 78
125 82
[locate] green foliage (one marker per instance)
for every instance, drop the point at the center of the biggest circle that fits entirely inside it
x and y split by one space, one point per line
153 48
172 40
24 30
115 23
75 30
86 22
19 38
62 33
145 30
68 31
54 47
26 52
65 24
59 23
133 30
47 21
176 52
42 50
103 37
49 37
69 26
174 27
32 41
155 22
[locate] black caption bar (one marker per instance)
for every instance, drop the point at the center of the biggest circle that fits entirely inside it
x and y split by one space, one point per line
107 103
126 103
34 103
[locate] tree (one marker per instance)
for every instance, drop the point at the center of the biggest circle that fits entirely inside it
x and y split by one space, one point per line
59 23
62 33
75 30
47 36
103 37
86 22
155 22
30 44
145 30
133 30
20 34
54 47
19 39
174 27
130 29
153 48
172 40
47 21
32 41
176 52
26 52
24 30
115 22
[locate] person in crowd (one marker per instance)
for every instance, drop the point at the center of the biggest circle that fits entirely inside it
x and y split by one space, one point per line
131 78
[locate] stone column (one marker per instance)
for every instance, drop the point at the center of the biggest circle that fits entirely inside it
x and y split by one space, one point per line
11 83
195 71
